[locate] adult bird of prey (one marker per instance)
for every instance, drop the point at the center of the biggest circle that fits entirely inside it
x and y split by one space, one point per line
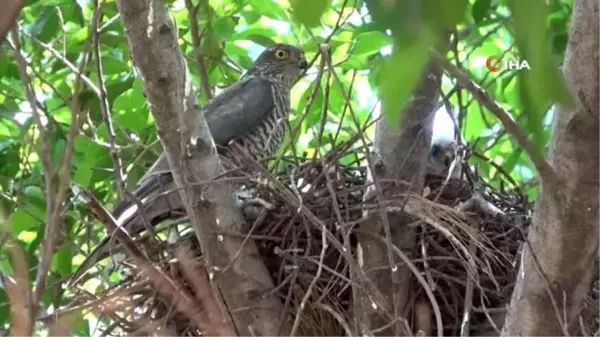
251 115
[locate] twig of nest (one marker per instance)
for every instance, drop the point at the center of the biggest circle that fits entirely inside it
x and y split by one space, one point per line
469 239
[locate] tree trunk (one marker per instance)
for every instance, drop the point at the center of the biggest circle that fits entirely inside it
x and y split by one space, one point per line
242 281
557 267
400 156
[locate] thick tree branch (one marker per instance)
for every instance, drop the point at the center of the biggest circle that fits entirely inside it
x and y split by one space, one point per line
558 261
9 10
401 153
192 157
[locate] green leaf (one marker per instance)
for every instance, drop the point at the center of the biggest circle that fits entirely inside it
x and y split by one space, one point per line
83 175
309 12
370 43
224 28
400 73
46 25
9 69
5 309
480 10
268 8
442 14
512 160
61 261
314 114
256 33
542 84
112 65
9 158
130 109
88 155
399 16
21 221
34 196
474 123
27 236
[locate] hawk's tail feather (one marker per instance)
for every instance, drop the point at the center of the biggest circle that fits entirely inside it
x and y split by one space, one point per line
160 201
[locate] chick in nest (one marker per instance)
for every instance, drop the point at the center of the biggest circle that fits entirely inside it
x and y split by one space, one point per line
442 157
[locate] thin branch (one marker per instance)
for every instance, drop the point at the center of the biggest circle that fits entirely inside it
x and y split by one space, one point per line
67 63
540 163
104 104
313 282
195 32
18 289
162 283
46 164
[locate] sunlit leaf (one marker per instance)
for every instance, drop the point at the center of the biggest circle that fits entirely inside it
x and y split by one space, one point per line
61 261
35 196
45 25
399 16
309 12
400 74
370 42
443 13
22 220
543 83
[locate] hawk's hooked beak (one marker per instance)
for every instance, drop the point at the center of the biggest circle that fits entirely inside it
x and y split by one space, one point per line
303 65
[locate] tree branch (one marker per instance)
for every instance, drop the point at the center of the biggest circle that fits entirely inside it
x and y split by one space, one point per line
195 32
9 10
56 190
401 157
541 165
192 157
104 104
557 265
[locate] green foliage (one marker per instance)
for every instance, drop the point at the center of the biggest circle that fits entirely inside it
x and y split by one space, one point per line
309 12
379 48
399 75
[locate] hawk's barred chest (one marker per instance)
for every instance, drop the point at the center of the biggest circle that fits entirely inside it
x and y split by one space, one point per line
265 139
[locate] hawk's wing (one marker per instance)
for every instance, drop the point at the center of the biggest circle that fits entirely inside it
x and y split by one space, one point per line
239 109
236 111
230 115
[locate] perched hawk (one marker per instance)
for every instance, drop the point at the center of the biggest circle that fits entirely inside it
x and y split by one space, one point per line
251 115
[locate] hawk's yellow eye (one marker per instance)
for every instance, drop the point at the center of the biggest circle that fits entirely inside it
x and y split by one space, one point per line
281 54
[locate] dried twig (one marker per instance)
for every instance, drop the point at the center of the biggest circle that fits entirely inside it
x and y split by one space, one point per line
55 193
104 104
195 32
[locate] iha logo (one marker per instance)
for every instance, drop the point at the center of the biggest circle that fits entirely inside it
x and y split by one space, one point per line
496 63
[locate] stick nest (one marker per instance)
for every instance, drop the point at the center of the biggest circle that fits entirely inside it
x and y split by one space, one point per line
469 237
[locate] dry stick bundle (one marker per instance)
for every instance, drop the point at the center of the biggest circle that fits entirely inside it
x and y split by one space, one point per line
470 242
469 245
308 211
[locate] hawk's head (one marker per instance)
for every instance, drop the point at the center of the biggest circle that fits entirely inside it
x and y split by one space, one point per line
282 61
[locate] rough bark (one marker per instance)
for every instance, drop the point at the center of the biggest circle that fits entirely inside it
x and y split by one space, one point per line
240 279
399 163
557 268
9 10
